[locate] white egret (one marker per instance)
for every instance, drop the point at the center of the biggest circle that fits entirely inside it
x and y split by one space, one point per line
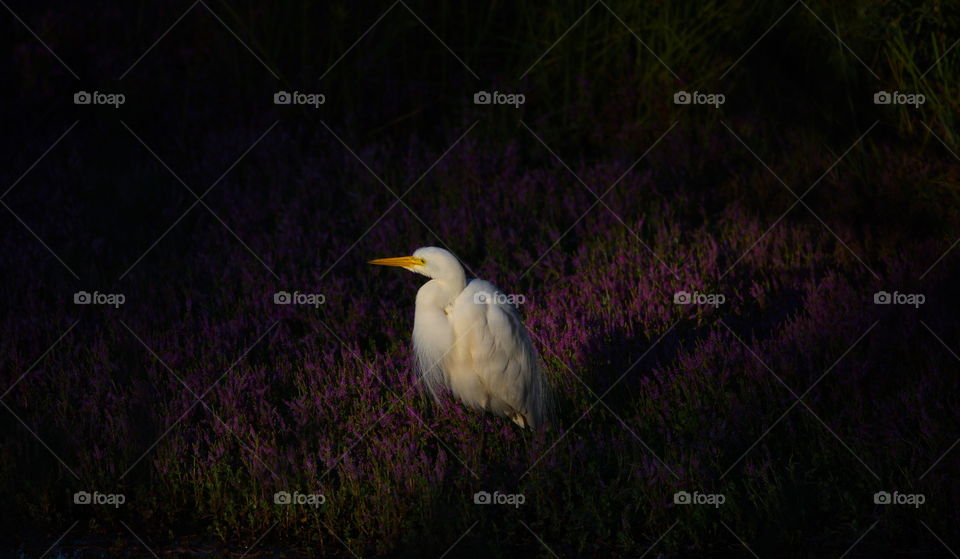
468 338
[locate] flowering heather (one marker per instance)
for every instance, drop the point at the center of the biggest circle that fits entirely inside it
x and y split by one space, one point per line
325 400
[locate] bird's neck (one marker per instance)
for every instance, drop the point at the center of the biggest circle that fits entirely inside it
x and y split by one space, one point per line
452 285
443 290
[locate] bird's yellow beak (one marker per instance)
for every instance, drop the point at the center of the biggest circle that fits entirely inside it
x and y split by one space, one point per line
399 261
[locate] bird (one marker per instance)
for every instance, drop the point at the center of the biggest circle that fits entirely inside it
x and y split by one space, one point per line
468 338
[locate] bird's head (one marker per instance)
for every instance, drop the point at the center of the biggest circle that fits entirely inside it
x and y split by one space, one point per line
433 262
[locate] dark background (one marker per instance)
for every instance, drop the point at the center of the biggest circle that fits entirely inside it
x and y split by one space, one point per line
323 400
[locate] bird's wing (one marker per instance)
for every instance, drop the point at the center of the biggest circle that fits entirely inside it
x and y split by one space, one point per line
500 349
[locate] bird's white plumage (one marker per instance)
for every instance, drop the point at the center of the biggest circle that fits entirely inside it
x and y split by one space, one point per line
470 340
